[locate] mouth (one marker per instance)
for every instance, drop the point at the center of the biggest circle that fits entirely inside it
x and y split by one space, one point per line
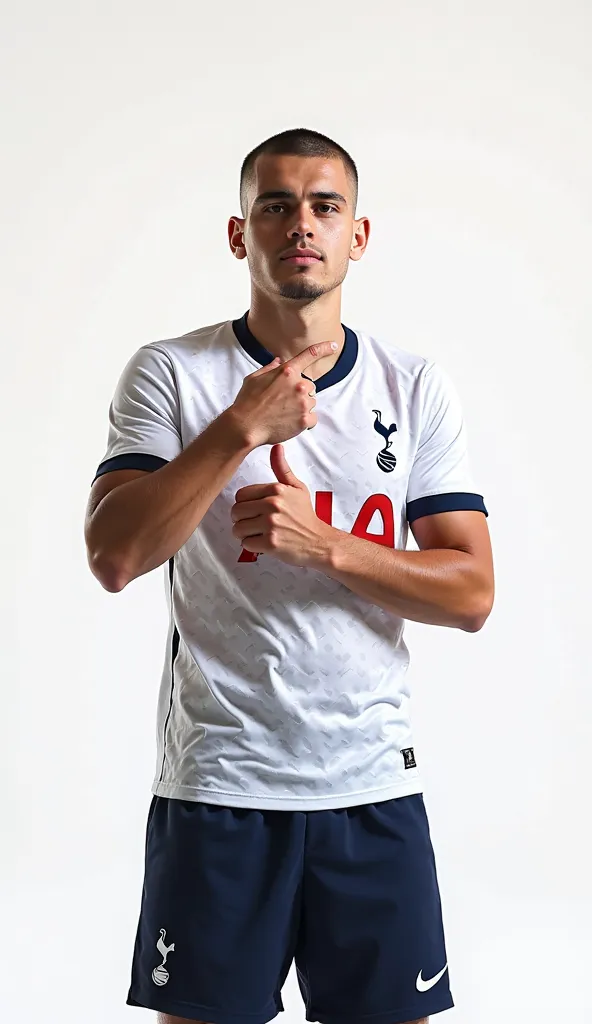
301 257
301 261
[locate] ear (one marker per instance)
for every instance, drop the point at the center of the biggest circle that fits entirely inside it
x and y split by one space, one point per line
361 234
236 228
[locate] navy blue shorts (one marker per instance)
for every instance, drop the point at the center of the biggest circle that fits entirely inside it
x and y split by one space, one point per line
233 896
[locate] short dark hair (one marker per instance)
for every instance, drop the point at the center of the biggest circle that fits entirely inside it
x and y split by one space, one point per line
297 142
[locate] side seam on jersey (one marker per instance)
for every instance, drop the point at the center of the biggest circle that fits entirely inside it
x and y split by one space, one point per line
174 652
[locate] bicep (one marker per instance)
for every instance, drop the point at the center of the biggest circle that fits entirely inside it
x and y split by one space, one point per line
106 483
458 531
440 478
144 416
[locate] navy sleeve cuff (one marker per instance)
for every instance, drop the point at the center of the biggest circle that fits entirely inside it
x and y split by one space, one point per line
434 503
135 460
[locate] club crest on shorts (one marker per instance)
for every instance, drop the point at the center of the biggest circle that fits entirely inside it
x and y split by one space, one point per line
160 975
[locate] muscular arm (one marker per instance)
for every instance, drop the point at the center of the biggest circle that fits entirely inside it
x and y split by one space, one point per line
136 521
448 582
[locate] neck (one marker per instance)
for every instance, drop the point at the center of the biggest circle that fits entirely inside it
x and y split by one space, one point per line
286 327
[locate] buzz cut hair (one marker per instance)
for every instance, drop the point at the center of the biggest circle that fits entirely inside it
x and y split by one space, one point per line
297 142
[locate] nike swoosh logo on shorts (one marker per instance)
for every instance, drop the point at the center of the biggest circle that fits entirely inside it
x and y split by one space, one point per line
425 986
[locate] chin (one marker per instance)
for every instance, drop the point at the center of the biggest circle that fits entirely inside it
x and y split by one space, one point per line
301 290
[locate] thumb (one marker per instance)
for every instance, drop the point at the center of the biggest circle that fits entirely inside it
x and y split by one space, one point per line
281 468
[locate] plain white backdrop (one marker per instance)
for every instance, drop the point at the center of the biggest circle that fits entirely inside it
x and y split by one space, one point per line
123 126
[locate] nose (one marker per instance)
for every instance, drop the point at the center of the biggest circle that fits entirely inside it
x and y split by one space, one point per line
301 225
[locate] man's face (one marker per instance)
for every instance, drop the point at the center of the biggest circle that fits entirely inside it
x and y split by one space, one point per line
299 232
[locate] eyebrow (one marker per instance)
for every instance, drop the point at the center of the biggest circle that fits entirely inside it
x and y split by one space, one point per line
334 197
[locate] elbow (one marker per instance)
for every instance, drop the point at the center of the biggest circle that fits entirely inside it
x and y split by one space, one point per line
474 624
108 572
477 615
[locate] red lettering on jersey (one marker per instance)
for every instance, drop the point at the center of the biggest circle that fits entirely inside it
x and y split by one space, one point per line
248 556
324 506
375 503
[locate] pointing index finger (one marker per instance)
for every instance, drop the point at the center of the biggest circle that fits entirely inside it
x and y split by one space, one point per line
311 354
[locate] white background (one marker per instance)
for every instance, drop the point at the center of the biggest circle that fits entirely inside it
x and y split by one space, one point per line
123 126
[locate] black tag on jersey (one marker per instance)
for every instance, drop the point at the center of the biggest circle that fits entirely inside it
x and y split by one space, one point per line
409 757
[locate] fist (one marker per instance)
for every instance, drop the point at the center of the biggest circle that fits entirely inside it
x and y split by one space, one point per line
274 403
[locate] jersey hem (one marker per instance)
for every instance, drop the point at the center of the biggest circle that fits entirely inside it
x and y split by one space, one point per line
220 798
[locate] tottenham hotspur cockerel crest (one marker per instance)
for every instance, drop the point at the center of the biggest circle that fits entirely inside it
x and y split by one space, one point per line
160 975
385 459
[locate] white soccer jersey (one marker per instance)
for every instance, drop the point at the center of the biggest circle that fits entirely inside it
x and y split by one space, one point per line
281 688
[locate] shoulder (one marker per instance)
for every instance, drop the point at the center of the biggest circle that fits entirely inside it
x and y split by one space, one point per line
162 364
158 367
184 350
412 371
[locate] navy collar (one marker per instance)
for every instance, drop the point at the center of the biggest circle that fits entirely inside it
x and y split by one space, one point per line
259 353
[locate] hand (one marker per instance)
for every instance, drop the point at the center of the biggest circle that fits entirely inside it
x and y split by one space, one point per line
278 518
273 403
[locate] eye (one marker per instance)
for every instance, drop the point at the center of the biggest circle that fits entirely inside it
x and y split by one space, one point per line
275 208
327 208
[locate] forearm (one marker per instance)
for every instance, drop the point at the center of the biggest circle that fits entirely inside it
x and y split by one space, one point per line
141 524
440 587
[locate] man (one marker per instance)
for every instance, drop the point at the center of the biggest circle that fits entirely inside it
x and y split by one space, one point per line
287 820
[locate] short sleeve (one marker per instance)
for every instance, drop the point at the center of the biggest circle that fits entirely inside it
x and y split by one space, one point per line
440 479
144 426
